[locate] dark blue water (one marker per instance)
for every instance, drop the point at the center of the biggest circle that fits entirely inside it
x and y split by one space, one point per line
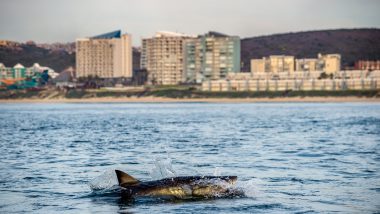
290 158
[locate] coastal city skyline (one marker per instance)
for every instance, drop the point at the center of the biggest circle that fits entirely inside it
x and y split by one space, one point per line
71 19
210 62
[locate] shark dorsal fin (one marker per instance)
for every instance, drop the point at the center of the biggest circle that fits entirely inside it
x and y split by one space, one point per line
125 179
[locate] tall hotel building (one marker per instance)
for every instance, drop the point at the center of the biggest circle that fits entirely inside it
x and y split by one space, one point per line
106 56
162 56
210 57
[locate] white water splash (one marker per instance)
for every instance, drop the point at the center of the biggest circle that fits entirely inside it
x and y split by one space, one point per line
249 187
105 181
163 168
217 171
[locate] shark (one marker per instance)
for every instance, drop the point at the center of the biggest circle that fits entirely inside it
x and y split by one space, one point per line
185 187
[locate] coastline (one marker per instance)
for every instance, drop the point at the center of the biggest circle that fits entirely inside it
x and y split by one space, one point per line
194 100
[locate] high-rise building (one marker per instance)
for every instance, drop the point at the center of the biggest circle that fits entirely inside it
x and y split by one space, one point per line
106 56
162 57
211 56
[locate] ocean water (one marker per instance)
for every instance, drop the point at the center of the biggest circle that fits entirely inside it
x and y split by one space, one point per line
289 157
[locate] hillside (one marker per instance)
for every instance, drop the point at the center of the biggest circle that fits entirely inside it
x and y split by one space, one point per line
352 44
27 54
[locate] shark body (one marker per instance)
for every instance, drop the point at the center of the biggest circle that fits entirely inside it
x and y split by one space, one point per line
184 187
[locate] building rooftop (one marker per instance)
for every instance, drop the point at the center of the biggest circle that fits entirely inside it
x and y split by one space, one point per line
18 65
110 35
170 34
279 56
216 34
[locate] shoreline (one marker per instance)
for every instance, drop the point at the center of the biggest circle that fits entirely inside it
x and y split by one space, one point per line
196 100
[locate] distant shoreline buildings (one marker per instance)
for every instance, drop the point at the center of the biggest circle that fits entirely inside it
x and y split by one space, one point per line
284 73
329 63
211 60
19 76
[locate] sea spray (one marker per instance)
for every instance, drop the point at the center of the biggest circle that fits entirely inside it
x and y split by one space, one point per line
106 181
250 187
163 168
217 171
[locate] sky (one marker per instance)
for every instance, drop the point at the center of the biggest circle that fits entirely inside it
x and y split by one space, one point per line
47 21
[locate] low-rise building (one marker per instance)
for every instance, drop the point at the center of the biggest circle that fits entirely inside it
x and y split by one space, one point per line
328 63
307 65
19 76
294 85
259 66
16 72
367 65
19 72
281 63
273 64
277 64
38 68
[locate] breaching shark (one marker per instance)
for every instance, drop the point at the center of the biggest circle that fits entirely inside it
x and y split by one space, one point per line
185 187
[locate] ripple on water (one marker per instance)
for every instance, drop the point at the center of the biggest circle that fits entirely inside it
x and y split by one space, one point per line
310 155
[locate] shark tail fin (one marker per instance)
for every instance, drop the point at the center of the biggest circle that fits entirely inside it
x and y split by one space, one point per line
125 179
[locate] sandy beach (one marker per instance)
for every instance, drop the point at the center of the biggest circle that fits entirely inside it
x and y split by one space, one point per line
195 100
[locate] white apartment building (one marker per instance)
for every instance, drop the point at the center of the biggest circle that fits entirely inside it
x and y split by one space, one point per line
162 56
106 56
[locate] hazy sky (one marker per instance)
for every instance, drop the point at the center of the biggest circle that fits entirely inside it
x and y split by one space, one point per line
65 20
